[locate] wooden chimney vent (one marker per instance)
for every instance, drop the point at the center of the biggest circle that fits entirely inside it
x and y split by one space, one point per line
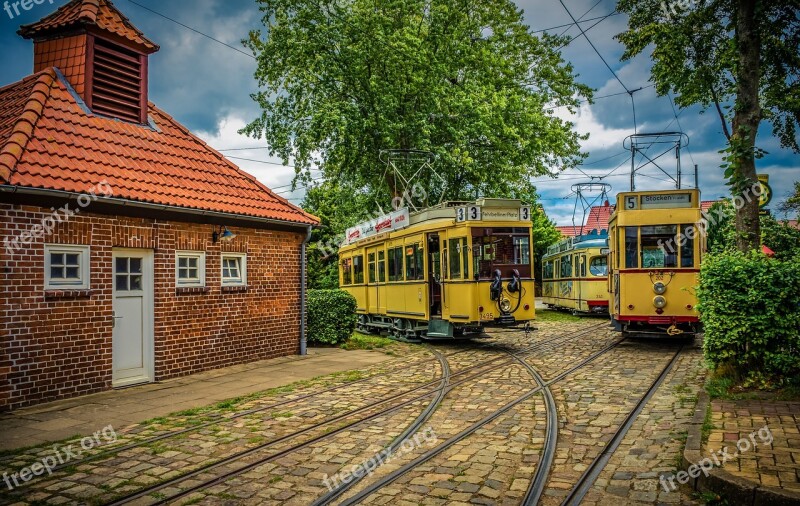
118 80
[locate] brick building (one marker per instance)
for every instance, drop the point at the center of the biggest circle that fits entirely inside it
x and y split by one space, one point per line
132 251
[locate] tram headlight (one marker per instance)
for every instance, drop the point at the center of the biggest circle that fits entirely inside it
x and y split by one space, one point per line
659 288
505 305
659 301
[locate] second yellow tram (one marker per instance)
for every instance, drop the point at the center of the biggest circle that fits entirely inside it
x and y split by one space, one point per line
575 274
656 245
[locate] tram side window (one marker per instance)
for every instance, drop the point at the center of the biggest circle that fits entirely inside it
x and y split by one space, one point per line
371 267
632 247
347 273
414 261
455 258
583 266
396 264
566 266
358 269
687 246
599 266
547 270
381 267
658 246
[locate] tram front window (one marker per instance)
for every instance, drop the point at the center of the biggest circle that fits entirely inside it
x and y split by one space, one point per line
656 251
599 266
494 248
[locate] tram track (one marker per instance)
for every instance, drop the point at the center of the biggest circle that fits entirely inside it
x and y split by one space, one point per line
590 475
427 456
440 391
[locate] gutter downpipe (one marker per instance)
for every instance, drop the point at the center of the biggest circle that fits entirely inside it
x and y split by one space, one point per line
303 280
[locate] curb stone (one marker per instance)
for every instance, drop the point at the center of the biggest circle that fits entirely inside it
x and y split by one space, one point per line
738 491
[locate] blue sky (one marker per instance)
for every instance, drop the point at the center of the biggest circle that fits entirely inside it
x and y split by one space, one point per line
207 87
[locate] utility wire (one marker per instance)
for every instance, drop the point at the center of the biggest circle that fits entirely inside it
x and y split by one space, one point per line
192 29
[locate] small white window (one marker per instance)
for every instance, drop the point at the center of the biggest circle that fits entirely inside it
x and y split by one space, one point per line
190 268
234 269
66 267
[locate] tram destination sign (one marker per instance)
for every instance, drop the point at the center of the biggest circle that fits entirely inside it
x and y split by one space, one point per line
661 201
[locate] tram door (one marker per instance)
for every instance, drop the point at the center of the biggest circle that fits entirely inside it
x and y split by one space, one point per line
434 275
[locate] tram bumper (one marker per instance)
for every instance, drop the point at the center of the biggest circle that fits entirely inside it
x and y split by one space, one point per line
505 320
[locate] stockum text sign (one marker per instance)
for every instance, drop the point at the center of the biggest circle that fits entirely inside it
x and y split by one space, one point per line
662 201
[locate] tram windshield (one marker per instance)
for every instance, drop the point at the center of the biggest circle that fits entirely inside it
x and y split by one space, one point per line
501 248
658 247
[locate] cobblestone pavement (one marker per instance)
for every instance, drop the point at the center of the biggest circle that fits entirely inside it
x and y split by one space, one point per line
744 426
337 423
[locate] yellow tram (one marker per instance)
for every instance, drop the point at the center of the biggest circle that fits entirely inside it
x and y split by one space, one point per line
442 272
575 274
656 246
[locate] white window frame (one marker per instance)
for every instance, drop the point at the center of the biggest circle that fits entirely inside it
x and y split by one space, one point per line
242 269
84 272
201 269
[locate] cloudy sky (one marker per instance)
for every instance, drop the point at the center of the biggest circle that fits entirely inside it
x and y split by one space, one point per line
206 86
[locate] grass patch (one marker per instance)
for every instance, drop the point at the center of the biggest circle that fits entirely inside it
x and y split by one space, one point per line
282 414
707 427
549 315
710 498
359 341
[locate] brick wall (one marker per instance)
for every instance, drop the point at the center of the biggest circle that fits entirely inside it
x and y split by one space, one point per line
58 345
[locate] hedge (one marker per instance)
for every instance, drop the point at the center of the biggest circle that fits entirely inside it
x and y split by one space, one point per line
750 309
331 316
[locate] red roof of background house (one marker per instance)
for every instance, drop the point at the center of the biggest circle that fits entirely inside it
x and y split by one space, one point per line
89 12
705 205
597 219
49 140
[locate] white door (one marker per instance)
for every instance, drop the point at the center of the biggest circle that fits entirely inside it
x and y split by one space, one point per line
132 352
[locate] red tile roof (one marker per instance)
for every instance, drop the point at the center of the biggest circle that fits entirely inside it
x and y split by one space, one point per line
49 140
596 220
80 13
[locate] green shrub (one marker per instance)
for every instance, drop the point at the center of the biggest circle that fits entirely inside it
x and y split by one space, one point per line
750 308
331 316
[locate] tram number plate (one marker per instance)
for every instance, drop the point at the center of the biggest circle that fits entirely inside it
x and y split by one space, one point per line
659 277
469 213
487 316
631 202
524 213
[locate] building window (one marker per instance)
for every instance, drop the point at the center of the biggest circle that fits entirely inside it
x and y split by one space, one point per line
66 267
234 269
190 268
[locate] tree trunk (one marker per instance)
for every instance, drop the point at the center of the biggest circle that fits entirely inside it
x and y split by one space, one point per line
745 125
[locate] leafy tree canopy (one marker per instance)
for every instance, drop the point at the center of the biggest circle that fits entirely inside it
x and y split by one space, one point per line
463 79
739 57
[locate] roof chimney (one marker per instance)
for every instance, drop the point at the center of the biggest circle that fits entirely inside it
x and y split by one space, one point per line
101 54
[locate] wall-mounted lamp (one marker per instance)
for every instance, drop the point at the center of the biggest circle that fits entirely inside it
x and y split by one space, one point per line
222 234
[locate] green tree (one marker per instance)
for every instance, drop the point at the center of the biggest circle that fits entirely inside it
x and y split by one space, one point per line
792 204
739 57
777 236
463 79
